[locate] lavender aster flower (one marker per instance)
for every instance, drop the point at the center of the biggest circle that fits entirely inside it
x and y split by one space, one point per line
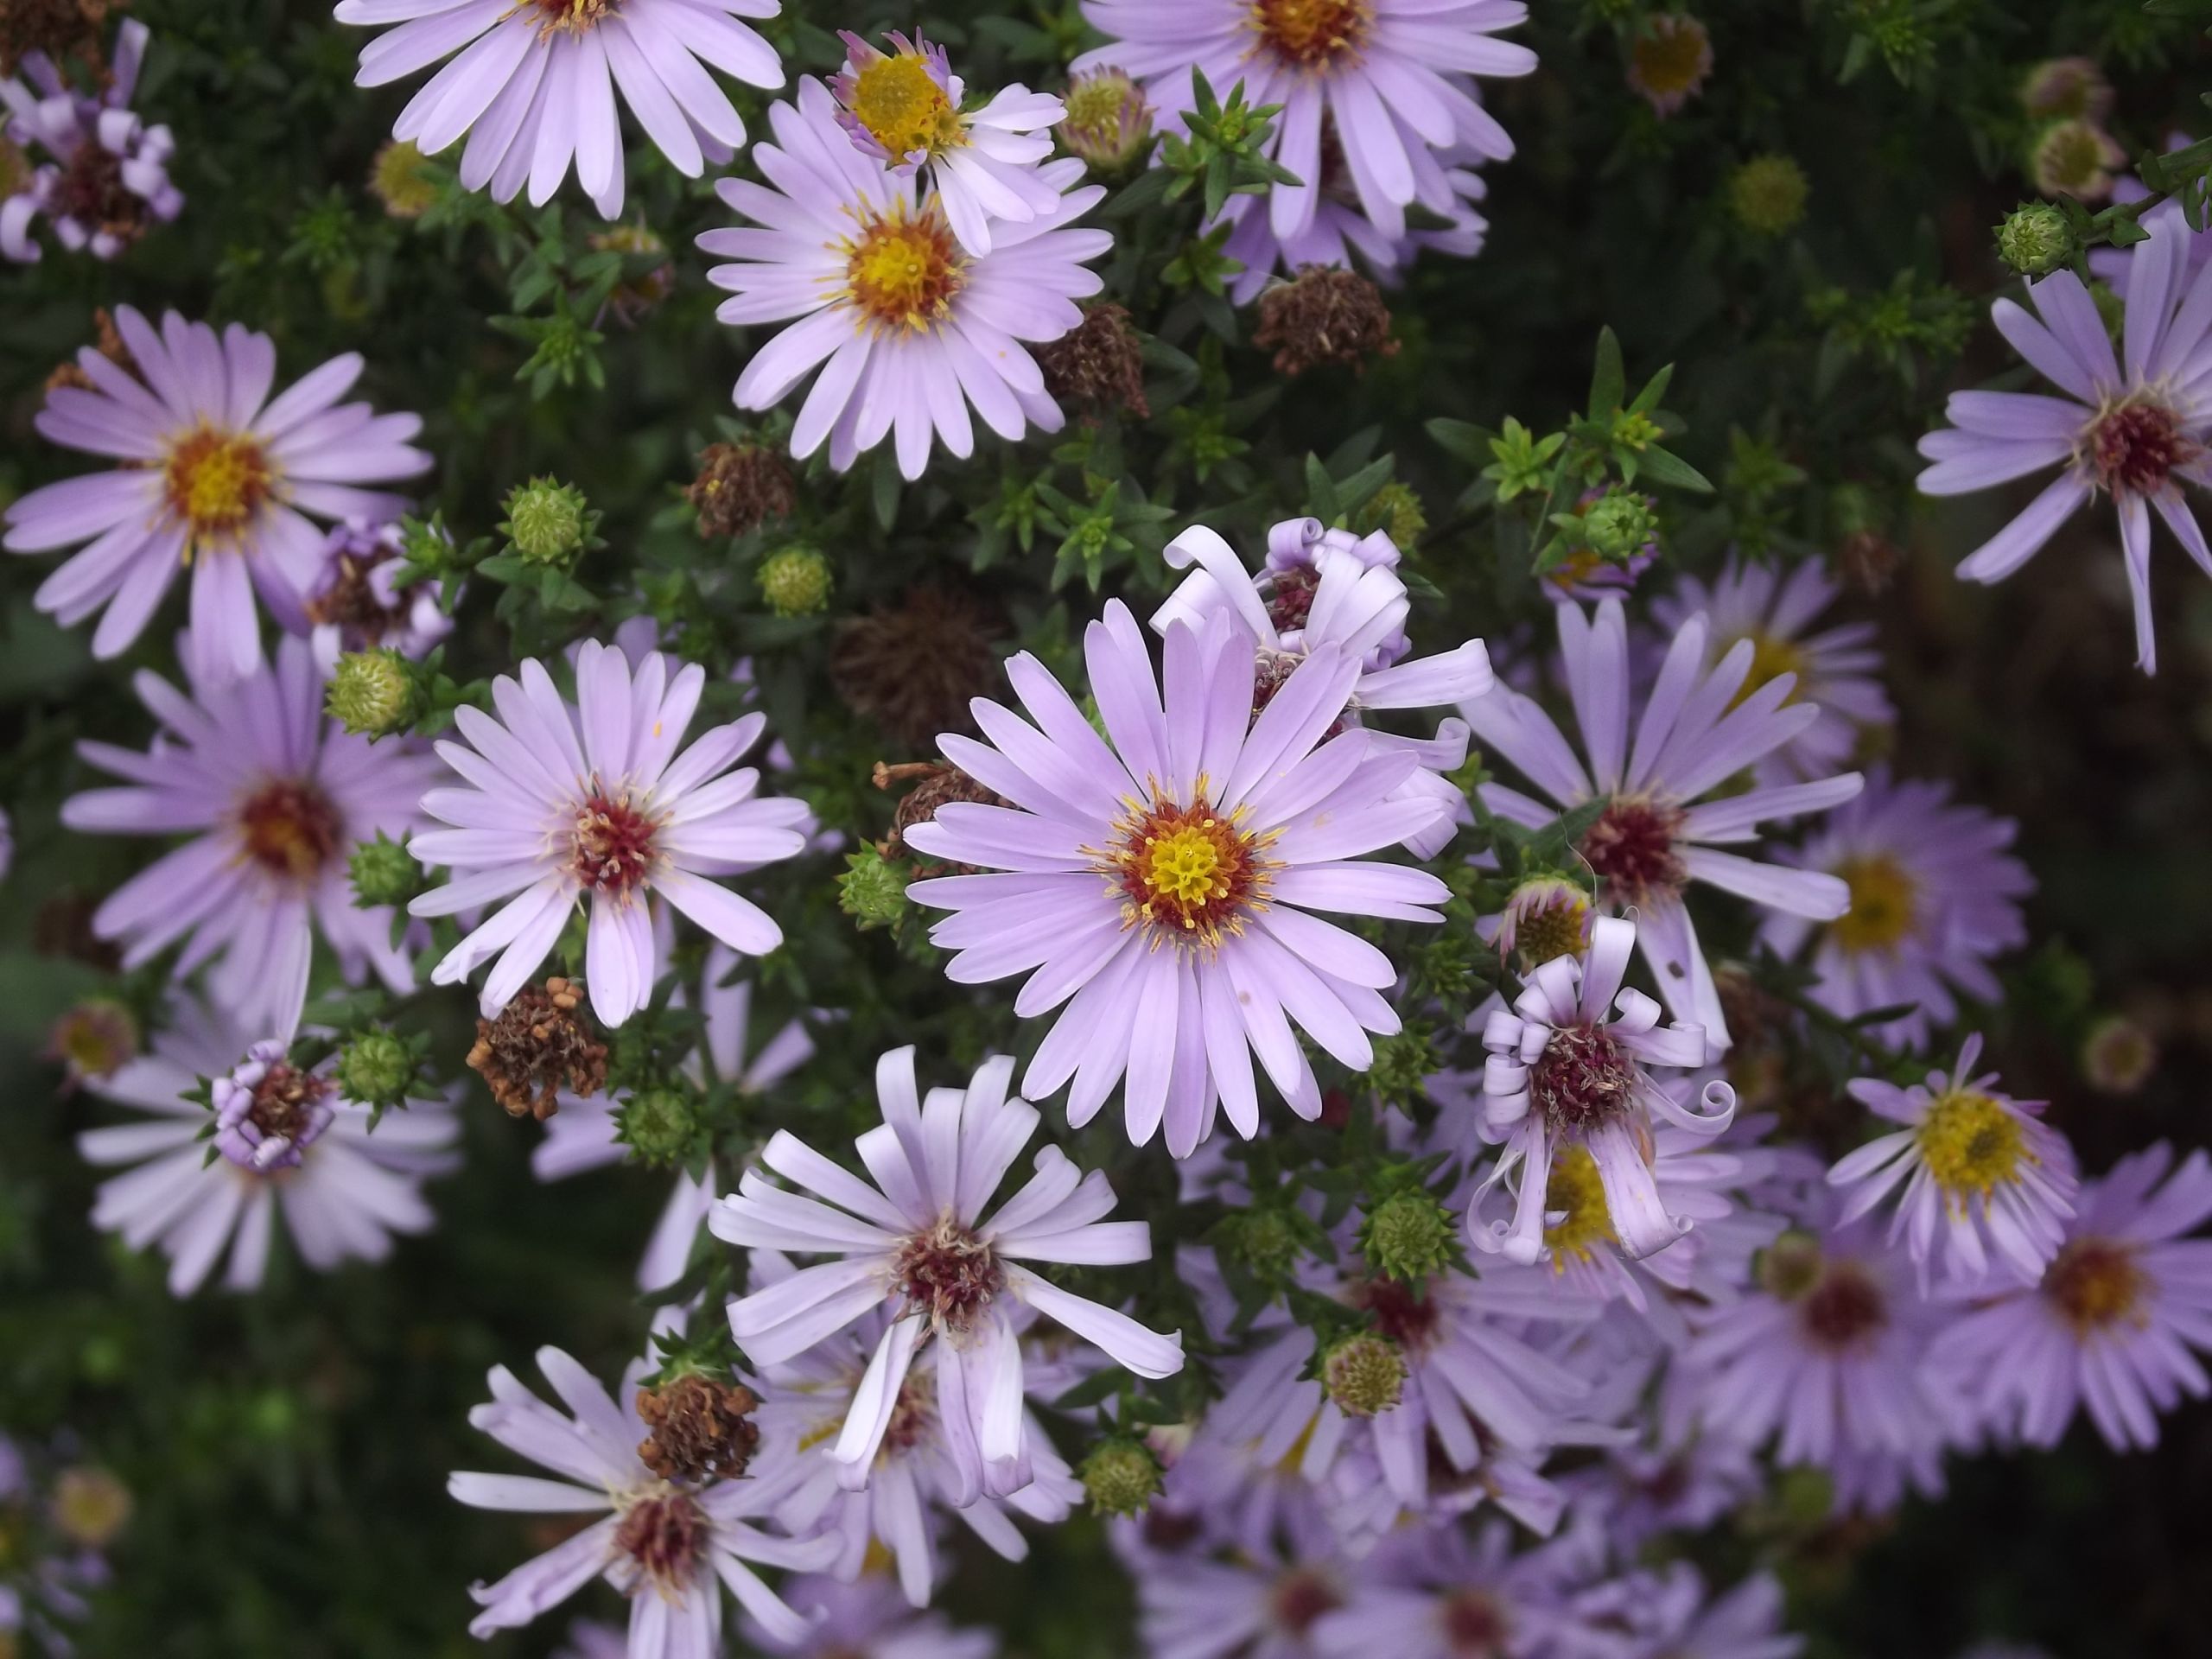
662 1543
275 796
1979 1164
289 1143
1159 884
534 86
1441 1593
2136 432
108 181
903 108
1825 1357
1836 667
355 602
1389 81
581 1135
1934 895
1323 587
1697 731
869 1620
216 476
908 329
915 1474
1261 1604
2112 1325
920 1234
1339 234
565 800
1668 1613
1565 1074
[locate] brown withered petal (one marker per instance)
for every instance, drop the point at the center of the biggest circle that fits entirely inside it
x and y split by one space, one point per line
740 487
540 1043
1323 316
700 1427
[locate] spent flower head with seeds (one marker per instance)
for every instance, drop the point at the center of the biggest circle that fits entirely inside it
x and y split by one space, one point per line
216 477
1160 881
592 800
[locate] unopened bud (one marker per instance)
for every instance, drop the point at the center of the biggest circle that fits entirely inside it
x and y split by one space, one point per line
1408 1236
1120 1476
548 522
1363 1374
658 1124
375 1069
873 890
384 872
371 693
2035 239
795 581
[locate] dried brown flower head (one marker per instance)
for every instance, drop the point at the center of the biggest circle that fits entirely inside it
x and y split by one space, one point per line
1324 315
540 1043
1098 367
740 487
701 1426
913 667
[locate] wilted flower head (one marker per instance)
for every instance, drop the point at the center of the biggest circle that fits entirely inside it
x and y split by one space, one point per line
2058 88
105 181
1108 123
357 602
1669 60
2076 158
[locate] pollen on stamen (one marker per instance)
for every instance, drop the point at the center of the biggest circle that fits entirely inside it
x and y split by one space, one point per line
612 845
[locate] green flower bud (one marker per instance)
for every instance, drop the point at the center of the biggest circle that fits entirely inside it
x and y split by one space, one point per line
1263 1242
371 693
400 178
384 871
1620 525
375 1069
1396 512
796 581
1363 1374
548 522
657 1124
872 889
2035 239
1404 1062
1120 1476
1408 1236
1767 194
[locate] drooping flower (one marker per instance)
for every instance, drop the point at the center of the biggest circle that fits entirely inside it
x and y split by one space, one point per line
289 1143
915 1474
355 601
275 796
919 1238
592 798
1824 1357
2113 1325
583 1135
1158 884
1979 1164
1566 1075
1391 82
1837 668
663 1543
106 182
534 86
1321 586
2132 426
1935 893
903 108
216 476
1653 838
909 330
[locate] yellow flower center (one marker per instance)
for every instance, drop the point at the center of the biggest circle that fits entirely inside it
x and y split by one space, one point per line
904 269
2096 1284
1310 33
1770 660
1576 1188
1187 871
217 482
1971 1144
903 108
291 830
1885 903
1671 57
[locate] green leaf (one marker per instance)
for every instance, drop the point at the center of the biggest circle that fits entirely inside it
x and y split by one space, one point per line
1608 380
1669 468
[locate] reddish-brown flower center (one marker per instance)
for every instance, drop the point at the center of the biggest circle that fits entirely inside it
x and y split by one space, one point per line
1400 1312
1583 1078
2132 446
949 1273
904 268
1290 597
291 829
1301 1598
1845 1309
2096 1283
284 1103
1187 871
1309 34
613 843
91 191
1475 1625
1631 847
665 1533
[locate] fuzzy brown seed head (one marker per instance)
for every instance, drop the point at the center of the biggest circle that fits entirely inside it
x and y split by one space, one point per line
939 787
1098 366
1323 316
540 1043
61 29
913 667
740 486
700 1425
